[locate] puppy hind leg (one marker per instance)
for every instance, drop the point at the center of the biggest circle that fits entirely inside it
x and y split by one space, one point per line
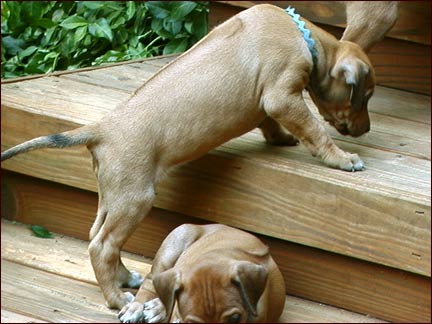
124 214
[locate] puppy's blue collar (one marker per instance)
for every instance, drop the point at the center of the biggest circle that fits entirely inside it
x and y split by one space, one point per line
306 32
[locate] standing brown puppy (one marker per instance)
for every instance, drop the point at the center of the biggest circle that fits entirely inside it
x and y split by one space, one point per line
209 274
248 72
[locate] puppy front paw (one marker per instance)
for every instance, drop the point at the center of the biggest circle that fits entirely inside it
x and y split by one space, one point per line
347 162
154 311
132 313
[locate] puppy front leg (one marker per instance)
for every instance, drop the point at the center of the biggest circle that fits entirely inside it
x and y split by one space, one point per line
147 307
291 112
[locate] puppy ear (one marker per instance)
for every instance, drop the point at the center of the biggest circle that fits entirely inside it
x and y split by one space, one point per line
355 72
167 284
251 280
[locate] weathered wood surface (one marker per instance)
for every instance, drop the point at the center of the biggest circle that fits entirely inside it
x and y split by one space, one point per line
309 273
402 60
51 280
380 215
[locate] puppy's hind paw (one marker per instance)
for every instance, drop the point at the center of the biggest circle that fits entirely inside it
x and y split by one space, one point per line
135 280
129 296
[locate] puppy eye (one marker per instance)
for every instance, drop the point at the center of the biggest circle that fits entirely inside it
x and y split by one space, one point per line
234 318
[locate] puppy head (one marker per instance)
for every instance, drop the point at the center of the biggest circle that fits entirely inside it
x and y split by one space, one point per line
343 91
211 293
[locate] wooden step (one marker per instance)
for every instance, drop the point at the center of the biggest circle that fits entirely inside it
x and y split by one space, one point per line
381 215
309 273
51 280
375 224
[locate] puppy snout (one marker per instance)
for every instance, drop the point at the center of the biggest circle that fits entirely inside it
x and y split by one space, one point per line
358 131
343 129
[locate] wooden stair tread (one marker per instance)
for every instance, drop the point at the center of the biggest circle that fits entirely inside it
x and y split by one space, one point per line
381 215
51 280
309 273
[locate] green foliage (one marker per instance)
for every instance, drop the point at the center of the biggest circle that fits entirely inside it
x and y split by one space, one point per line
43 36
41 231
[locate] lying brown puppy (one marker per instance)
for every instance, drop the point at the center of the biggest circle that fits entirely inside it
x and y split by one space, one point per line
248 72
209 274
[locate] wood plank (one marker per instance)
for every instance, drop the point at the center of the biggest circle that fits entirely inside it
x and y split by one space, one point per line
392 175
157 61
45 296
71 211
12 317
340 281
18 250
223 176
50 297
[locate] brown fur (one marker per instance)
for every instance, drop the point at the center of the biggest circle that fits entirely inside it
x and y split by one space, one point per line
248 72
209 274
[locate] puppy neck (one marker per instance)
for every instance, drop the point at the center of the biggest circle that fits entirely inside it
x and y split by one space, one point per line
301 25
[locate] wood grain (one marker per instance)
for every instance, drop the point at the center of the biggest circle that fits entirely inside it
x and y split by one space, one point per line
310 273
32 287
12 317
351 214
51 297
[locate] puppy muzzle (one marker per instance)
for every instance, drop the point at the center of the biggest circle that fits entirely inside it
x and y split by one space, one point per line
354 131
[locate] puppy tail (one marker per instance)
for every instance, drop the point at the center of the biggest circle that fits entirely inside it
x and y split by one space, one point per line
80 136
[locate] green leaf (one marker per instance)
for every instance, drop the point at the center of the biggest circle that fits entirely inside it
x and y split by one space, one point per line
188 26
130 10
119 22
182 8
156 24
101 29
27 52
80 33
44 22
199 26
12 45
40 231
176 46
73 22
157 9
93 5
57 15
173 27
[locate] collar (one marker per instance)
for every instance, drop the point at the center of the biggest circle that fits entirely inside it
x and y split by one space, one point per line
306 32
